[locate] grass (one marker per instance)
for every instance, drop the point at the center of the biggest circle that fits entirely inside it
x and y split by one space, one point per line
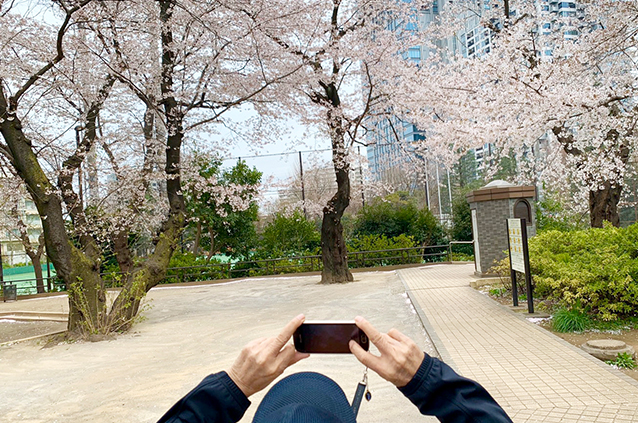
626 323
570 320
623 361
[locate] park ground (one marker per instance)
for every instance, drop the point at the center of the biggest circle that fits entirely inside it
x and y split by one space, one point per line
189 332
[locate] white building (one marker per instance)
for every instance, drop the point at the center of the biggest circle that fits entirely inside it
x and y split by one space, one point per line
13 251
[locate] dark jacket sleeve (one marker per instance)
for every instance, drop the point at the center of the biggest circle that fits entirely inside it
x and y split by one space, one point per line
439 391
216 399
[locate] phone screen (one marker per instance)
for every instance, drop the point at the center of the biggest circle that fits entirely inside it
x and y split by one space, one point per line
328 337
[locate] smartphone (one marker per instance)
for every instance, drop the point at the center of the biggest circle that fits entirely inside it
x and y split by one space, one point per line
328 337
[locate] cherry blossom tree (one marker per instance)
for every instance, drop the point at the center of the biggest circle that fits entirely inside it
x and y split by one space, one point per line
119 89
561 94
347 52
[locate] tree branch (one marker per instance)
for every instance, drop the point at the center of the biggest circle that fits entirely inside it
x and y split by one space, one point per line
13 100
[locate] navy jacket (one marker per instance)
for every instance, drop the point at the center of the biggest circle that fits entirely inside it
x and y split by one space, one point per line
436 390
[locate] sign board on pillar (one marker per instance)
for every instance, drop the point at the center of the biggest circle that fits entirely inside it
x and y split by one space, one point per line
515 234
519 259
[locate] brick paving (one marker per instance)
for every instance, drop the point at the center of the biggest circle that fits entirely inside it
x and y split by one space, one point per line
534 375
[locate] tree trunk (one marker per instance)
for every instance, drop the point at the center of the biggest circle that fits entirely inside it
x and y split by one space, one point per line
333 245
70 263
127 303
198 237
37 269
123 253
603 205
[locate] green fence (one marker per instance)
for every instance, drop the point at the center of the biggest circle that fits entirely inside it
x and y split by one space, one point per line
275 266
23 277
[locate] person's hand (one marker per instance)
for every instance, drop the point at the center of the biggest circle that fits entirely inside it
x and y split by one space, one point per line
400 356
263 360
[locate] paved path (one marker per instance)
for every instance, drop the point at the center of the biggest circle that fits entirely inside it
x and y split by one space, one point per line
534 375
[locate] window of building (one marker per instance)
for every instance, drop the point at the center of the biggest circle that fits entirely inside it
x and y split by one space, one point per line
414 53
522 210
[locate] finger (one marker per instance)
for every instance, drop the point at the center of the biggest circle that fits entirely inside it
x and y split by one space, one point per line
255 342
367 359
298 357
286 355
373 334
395 334
287 332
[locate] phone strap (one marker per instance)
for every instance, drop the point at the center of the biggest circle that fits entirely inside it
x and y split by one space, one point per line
362 388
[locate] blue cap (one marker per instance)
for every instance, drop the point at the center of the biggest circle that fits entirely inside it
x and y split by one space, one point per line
305 397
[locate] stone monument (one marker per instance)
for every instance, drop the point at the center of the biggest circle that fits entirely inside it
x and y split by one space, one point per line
491 206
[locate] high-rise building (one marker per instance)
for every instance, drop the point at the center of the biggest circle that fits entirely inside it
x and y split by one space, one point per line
391 146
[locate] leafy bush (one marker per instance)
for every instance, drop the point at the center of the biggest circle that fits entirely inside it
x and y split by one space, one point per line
596 267
623 361
570 320
385 258
461 220
289 234
551 215
397 214
187 267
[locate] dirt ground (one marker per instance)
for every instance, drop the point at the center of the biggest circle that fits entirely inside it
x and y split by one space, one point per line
11 330
188 333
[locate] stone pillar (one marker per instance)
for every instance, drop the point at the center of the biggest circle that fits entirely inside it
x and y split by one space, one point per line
491 206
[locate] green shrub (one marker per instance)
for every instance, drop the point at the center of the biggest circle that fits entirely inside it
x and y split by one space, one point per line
289 234
596 267
187 267
385 258
623 361
551 215
570 320
397 214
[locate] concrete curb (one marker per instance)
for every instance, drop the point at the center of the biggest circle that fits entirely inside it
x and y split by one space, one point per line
3 344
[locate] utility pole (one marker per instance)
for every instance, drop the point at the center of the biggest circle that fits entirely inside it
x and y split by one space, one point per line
363 197
426 185
438 192
303 190
449 189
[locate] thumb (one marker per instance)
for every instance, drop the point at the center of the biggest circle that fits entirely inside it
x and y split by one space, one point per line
366 358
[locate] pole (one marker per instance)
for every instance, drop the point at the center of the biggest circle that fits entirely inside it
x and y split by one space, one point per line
77 143
528 274
427 186
438 191
1 269
363 196
449 189
48 274
303 190
512 271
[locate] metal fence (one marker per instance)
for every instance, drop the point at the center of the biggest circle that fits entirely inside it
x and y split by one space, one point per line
283 265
